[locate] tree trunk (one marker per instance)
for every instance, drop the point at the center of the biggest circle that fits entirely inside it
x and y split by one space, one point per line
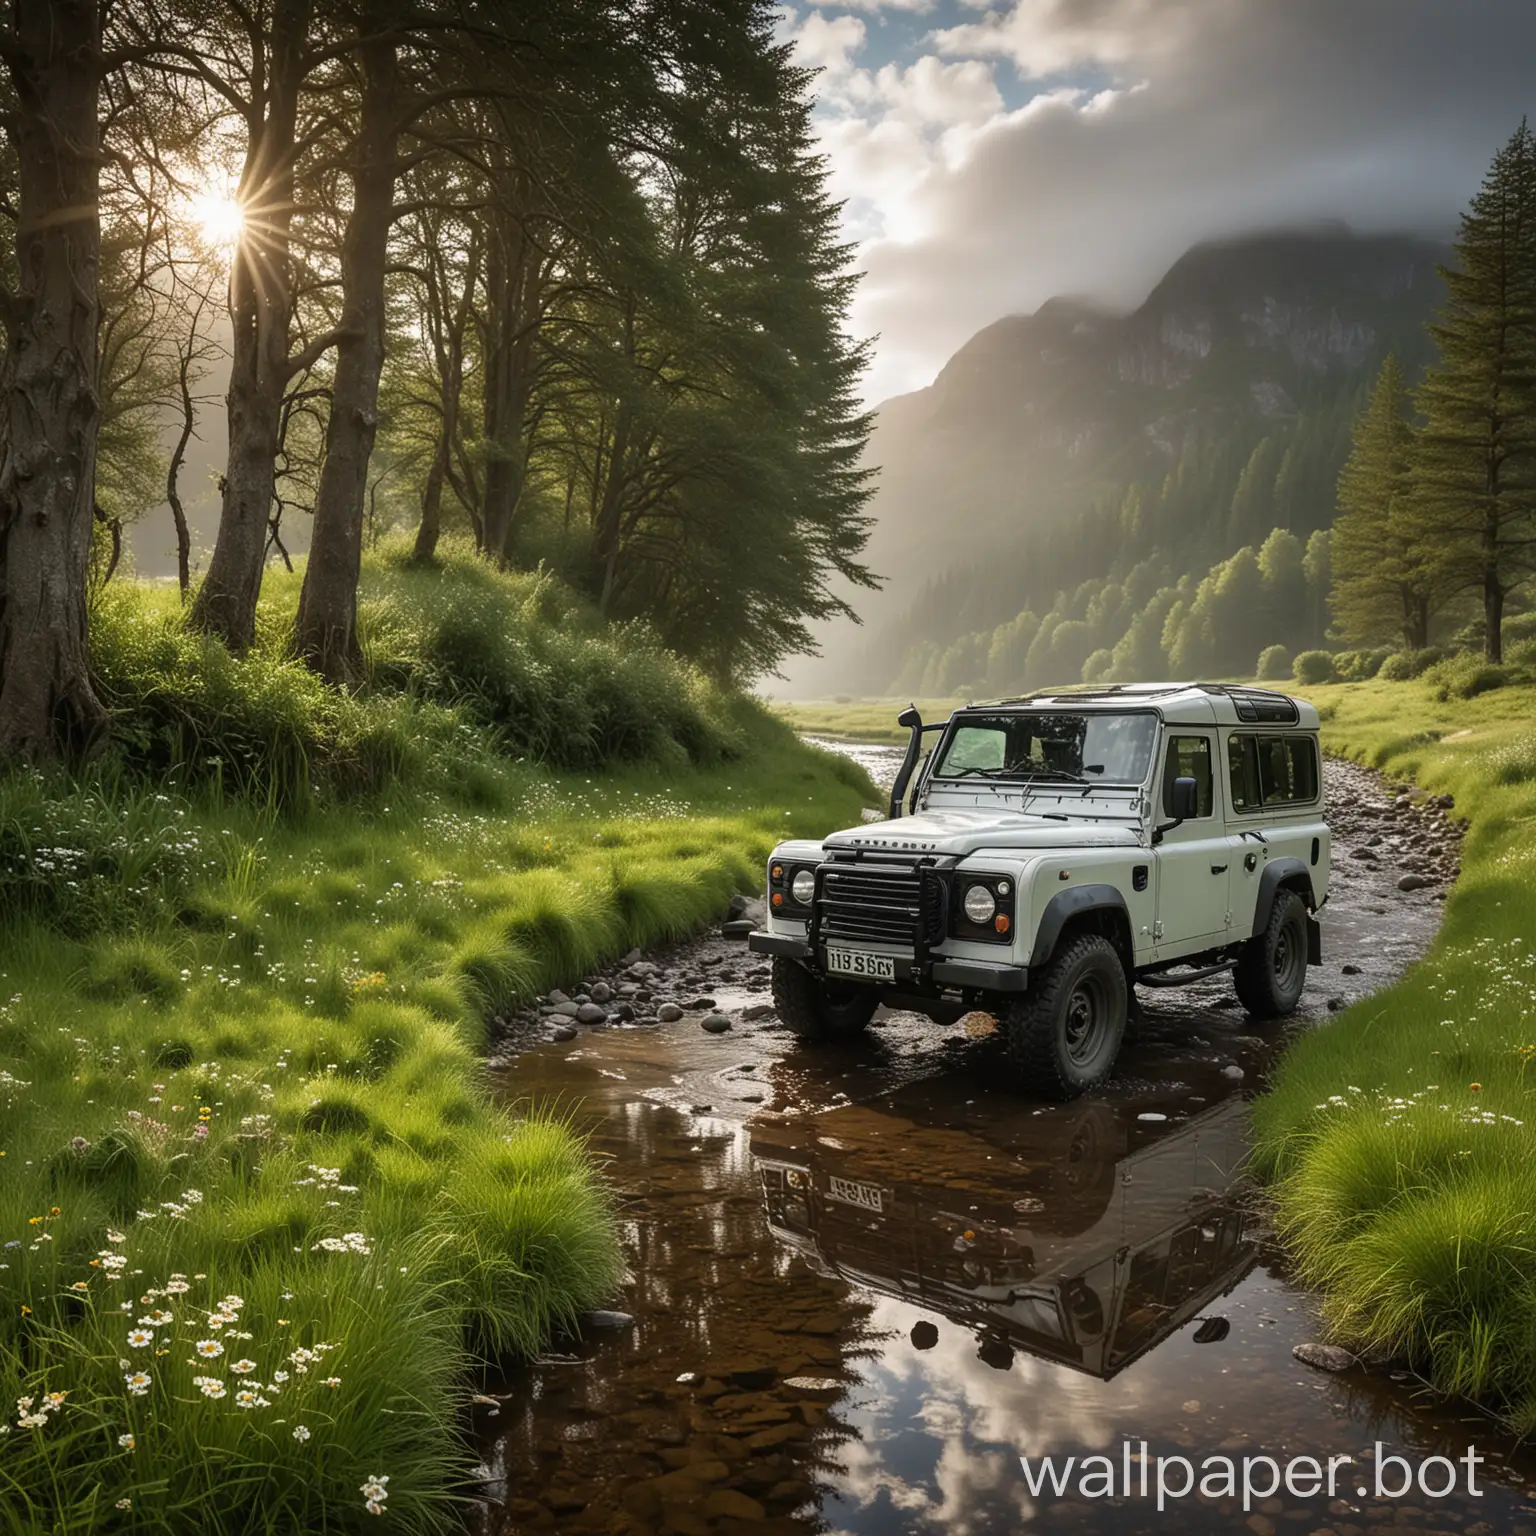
1493 617
48 707
513 282
325 633
173 472
452 384
261 313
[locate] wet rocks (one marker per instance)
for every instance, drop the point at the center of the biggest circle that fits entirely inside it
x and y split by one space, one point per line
1414 882
756 1011
714 1024
602 1319
591 1013
602 992
737 927
700 1005
562 1032
1326 1357
669 1013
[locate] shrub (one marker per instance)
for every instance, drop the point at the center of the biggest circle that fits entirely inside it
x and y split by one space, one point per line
1464 677
1401 666
1359 666
1274 664
1313 667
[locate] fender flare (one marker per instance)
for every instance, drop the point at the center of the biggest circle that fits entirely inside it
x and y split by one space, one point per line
1067 904
1280 872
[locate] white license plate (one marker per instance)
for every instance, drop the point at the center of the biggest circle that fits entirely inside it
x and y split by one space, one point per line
866 1197
856 962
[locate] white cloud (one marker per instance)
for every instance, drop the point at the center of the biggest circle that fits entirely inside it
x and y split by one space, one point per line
827 42
918 6
1049 37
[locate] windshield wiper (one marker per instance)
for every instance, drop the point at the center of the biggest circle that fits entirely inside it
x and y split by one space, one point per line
1054 775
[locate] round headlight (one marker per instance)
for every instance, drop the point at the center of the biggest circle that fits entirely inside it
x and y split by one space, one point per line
803 886
980 904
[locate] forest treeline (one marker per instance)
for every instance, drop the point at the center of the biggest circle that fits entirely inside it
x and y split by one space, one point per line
562 276
1386 526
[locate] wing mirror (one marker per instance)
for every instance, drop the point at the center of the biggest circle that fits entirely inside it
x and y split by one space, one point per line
1186 803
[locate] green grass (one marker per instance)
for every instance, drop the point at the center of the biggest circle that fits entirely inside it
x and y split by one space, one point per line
1401 1137
861 719
242 1011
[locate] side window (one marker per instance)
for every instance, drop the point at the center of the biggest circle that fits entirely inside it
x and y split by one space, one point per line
1189 757
1272 770
1288 770
1243 764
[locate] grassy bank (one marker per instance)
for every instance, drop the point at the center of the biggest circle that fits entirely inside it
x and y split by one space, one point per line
257 1207
861 719
1402 1137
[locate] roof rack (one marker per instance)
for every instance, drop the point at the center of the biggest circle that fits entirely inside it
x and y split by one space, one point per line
1256 704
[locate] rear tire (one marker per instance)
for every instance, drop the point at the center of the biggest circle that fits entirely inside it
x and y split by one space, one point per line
1064 1034
818 1010
1272 970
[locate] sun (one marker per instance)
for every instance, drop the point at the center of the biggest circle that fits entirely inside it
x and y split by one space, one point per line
219 217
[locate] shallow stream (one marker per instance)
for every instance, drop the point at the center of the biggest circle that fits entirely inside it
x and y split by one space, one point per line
865 1281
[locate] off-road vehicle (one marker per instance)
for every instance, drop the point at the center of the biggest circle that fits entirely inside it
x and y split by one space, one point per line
1052 852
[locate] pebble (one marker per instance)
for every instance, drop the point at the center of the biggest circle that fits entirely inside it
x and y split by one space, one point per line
700 1005
591 1013
669 1013
714 1024
601 1319
737 927
562 1032
757 1011
602 992
1326 1357
1233 1071
1414 882
557 996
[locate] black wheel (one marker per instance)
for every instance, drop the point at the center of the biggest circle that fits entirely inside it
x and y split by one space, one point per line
819 1010
1272 969
1064 1034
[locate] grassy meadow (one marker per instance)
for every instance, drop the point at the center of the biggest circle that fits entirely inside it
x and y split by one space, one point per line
1401 1137
258 1211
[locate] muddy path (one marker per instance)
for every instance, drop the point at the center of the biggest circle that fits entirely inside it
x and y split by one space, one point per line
865 1280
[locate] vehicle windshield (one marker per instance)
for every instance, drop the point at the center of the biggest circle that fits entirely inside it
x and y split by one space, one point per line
1051 746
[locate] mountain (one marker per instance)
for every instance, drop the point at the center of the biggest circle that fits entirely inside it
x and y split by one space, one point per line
1041 419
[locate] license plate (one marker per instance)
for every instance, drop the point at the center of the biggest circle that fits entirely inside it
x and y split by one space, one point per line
856 962
866 1197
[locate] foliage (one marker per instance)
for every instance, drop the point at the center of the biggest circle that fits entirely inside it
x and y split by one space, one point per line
1274 664
1474 468
263 1122
1311 667
1401 1136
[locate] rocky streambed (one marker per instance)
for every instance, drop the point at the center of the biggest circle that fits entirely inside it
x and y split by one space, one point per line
865 1280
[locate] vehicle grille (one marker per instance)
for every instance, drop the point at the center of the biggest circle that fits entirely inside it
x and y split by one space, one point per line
878 904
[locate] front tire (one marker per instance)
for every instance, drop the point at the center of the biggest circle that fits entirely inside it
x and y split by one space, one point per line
1272 969
818 1010
1064 1034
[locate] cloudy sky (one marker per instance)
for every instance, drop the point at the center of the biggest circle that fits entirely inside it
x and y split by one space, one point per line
993 156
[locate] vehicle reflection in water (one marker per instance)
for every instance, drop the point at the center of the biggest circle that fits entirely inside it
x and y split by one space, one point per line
1084 1244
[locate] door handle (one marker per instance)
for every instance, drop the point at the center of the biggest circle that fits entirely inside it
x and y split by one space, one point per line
1218 869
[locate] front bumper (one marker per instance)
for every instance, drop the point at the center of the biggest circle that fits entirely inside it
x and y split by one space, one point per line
967 975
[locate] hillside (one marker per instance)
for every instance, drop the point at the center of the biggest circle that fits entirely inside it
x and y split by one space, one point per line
1008 478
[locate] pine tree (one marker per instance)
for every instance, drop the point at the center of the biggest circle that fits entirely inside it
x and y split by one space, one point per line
1474 485
1385 581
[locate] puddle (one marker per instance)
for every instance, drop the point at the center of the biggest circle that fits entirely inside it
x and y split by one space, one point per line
866 1280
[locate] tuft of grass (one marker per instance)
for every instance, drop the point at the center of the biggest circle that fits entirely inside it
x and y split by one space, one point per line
1400 1137
244 1058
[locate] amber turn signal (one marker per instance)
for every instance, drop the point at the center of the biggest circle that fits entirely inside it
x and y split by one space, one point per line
778 898
1000 922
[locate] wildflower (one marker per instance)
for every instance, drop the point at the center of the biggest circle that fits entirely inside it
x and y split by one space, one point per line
79 1285
123 1504
214 1389
139 1337
115 1237
127 1442
1476 1087
331 1381
243 1367
209 1349
300 1433
245 1398
32 1421
138 1383
176 1287
279 1377
56 1399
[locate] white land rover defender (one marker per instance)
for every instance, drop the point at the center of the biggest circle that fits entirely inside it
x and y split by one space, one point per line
1053 851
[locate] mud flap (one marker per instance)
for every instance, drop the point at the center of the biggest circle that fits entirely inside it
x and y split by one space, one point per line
1314 942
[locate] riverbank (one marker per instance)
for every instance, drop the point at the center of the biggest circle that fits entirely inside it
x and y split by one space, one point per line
1401 1138
258 1211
